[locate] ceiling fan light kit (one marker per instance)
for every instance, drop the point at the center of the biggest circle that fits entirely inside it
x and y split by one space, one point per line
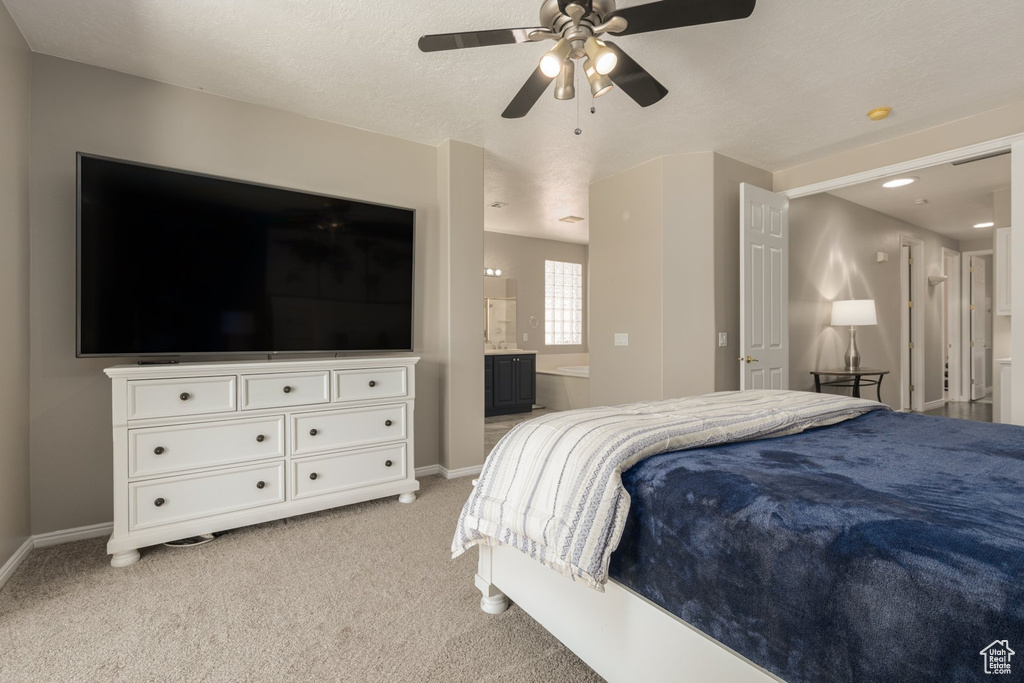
565 84
599 84
576 26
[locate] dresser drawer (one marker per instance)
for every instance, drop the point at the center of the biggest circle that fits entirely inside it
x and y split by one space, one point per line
362 385
283 390
177 499
324 474
149 398
333 430
161 450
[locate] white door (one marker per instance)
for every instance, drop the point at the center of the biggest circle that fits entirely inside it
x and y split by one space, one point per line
764 289
979 338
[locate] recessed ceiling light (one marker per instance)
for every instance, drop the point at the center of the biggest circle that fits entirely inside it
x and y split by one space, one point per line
990 224
498 205
571 219
920 202
899 182
880 114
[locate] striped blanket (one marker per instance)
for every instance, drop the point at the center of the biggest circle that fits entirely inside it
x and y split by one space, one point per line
552 487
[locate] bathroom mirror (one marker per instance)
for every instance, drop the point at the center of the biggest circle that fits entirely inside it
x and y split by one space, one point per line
499 313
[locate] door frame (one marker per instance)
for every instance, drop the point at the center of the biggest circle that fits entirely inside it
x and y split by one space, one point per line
912 360
1010 143
965 321
951 309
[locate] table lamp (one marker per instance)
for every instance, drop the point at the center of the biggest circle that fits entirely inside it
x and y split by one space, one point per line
853 313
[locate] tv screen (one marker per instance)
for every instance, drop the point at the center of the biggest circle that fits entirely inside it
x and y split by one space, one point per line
174 263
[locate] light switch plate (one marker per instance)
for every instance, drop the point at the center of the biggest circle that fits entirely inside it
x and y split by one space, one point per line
723 339
526 337
621 339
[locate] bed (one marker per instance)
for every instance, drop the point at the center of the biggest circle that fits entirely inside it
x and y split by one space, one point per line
859 545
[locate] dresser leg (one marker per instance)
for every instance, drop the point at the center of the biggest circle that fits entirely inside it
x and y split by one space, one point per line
407 497
125 558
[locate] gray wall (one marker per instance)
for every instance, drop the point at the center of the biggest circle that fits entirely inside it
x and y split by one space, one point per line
82 108
664 268
15 82
833 246
522 258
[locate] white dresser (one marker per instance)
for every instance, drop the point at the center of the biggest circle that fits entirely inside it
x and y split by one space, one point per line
204 447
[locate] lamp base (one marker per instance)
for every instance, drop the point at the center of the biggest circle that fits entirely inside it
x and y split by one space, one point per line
852 356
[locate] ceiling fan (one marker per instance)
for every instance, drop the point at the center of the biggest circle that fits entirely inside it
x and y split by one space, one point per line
576 26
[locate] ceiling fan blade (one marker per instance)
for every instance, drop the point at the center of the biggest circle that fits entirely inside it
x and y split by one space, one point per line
658 16
634 80
458 41
527 96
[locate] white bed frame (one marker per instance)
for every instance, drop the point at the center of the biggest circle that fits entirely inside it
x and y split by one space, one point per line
618 633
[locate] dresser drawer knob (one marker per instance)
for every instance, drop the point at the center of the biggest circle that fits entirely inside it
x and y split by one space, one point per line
261 484
159 502
372 384
287 390
388 463
313 432
185 396
159 450
313 476
260 438
388 423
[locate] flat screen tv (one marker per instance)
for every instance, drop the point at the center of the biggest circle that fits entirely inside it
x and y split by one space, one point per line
173 263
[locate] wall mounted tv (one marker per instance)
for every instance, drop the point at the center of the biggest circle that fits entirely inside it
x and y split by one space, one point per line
175 263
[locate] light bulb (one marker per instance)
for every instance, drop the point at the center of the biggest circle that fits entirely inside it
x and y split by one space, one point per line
551 62
603 57
599 84
497 272
489 271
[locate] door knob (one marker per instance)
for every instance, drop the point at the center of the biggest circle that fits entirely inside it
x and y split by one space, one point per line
748 360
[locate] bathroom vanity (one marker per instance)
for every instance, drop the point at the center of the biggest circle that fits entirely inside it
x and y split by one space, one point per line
510 381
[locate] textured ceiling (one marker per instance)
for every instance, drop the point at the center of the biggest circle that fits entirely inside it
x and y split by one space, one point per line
959 197
790 83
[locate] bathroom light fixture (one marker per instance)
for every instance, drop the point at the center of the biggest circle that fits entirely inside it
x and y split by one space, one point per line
492 272
900 182
989 224
599 83
551 62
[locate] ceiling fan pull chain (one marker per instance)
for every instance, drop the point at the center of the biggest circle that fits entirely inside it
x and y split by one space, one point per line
578 131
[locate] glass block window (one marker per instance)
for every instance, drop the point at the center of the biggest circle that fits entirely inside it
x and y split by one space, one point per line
563 307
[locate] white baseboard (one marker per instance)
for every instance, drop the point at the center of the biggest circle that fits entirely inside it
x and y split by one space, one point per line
934 405
68 535
11 565
428 470
461 472
53 538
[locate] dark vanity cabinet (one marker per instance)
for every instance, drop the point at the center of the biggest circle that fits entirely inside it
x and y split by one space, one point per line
510 383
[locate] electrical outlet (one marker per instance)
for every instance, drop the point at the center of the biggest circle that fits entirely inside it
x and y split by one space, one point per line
723 339
526 337
621 339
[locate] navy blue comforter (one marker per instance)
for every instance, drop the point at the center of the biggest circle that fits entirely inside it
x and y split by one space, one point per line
885 548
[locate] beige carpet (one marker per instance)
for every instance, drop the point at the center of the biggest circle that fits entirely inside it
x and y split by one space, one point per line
363 593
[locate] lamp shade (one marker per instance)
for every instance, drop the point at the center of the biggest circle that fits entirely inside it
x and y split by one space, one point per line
854 312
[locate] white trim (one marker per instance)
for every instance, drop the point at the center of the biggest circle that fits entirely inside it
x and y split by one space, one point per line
912 290
461 472
11 565
69 535
427 471
998 145
934 405
951 314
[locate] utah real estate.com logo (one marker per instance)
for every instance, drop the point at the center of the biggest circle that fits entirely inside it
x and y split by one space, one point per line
997 657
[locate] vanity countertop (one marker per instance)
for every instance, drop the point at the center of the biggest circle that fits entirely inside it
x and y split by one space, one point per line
507 352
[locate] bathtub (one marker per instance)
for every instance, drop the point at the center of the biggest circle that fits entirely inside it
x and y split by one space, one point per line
564 388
